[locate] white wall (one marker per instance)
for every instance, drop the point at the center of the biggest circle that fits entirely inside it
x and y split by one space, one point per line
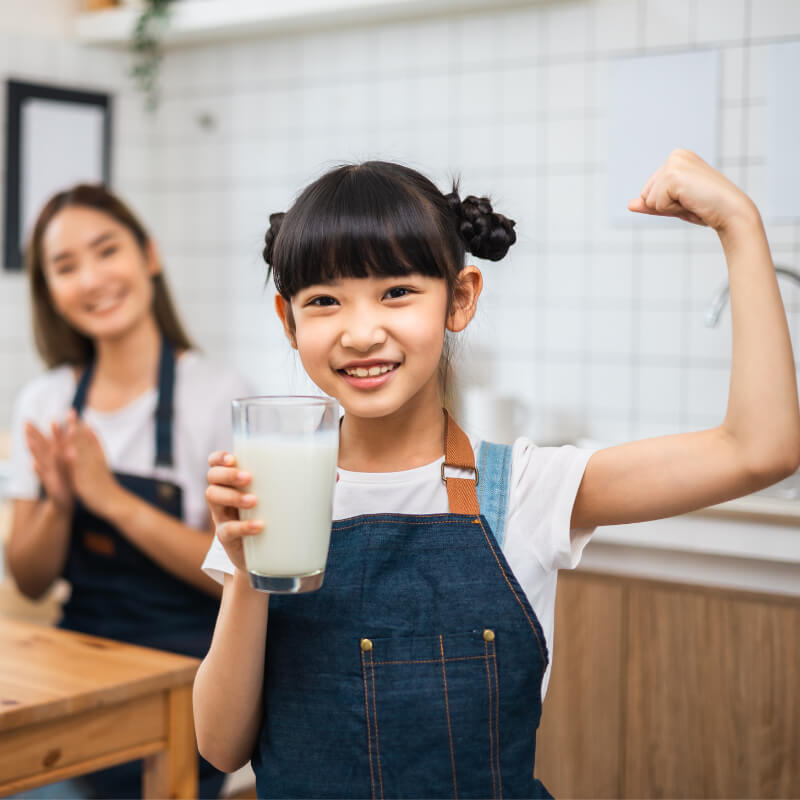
39 18
602 326
50 59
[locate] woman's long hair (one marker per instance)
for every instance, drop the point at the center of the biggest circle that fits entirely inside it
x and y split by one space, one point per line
57 341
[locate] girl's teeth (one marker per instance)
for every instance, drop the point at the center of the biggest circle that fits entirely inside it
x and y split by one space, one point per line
363 372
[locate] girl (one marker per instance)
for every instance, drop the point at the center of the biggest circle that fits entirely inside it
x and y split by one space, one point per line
105 445
419 667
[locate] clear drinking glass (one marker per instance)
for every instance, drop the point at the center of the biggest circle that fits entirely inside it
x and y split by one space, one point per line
290 446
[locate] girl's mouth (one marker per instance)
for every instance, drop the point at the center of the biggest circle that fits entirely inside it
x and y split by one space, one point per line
368 376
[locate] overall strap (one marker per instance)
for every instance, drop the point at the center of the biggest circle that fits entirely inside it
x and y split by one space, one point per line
461 492
494 462
166 387
82 390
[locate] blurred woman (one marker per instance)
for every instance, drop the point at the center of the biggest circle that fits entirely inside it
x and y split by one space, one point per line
108 446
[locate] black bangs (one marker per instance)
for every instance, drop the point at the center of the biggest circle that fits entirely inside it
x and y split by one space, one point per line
373 219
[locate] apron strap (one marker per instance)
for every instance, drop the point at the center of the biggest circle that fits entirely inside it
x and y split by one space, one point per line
461 492
82 390
494 465
164 409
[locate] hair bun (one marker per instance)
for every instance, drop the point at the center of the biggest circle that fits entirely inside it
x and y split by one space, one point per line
485 233
271 234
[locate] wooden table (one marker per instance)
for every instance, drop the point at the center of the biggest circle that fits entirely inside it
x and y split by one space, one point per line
72 703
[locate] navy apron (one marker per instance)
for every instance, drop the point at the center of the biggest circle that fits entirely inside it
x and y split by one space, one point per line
416 670
119 592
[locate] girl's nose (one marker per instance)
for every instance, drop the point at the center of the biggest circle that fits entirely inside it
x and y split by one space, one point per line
363 333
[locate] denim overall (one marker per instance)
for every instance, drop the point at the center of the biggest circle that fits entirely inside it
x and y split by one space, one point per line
119 592
416 670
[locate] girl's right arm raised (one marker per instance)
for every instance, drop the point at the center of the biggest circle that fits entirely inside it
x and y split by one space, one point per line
228 685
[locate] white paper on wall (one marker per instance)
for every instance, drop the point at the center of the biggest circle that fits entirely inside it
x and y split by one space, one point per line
62 145
783 132
658 104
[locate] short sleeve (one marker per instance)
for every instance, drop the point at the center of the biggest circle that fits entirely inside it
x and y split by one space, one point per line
23 483
216 563
544 485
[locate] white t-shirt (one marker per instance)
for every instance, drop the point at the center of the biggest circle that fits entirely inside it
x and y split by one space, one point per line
201 424
538 542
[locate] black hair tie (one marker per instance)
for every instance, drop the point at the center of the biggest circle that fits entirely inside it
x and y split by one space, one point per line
485 233
271 234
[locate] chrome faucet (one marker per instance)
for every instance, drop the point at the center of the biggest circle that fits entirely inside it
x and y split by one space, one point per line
718 303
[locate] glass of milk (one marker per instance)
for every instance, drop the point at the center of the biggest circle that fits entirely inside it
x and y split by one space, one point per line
290 446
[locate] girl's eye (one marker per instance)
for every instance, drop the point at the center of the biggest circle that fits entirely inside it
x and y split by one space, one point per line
108 251
398 291
323 300
64 269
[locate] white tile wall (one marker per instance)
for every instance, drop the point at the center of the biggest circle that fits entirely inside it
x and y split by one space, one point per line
599 329
27 57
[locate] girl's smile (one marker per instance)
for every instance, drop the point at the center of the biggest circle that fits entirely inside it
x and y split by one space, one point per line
373 343
368 374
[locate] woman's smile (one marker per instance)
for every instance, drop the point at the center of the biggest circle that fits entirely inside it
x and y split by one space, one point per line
107 302
99 276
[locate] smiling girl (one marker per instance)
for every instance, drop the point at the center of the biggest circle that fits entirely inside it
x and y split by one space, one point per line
418 669
107 446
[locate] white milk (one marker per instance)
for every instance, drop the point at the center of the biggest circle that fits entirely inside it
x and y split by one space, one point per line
293 480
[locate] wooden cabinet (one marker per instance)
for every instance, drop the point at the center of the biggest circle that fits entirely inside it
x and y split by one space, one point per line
664 690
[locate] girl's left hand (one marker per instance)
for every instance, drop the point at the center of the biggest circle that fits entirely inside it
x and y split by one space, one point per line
687 187
91 479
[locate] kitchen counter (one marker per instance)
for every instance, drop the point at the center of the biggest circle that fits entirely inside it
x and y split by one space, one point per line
725 546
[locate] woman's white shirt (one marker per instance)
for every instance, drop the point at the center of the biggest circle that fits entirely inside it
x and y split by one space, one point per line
538 541
201 424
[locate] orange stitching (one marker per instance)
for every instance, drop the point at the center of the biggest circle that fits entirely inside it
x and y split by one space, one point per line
491 733
369 732
375 717
447 711
497 720
516 596
430 660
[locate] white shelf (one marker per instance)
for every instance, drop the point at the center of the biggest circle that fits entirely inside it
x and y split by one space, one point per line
208 20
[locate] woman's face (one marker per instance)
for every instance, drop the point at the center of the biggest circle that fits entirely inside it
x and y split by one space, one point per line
99 278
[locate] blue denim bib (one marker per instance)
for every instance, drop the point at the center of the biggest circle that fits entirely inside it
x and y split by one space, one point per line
415 671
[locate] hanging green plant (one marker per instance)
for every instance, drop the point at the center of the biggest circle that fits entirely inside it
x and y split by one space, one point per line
146 46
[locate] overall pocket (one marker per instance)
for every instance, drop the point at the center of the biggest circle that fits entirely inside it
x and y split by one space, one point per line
431 713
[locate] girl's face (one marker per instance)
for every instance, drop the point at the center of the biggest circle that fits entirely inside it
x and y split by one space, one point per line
375 343
99 278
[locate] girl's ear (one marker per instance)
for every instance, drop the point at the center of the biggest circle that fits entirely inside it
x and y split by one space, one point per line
284 312
465 298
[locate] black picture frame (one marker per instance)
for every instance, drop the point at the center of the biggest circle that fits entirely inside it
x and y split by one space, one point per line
18 94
